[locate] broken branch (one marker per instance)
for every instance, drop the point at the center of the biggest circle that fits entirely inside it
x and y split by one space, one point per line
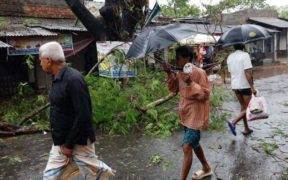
28 116
157 102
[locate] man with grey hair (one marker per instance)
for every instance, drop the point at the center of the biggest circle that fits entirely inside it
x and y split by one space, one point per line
70 118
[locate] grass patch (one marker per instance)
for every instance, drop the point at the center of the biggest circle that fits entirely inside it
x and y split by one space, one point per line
269 148
279 132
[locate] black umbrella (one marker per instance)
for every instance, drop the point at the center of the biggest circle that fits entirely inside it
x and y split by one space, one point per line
157 38
243 34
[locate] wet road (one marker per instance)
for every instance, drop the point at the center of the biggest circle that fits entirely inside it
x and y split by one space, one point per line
261 156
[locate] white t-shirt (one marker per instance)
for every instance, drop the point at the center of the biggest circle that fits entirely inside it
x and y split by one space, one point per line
237 63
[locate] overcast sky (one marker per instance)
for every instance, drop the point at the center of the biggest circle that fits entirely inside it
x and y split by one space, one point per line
277 3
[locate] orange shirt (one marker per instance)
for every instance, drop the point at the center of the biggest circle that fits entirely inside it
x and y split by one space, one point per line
194 97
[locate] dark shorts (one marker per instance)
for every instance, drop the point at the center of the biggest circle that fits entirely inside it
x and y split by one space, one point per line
246 92
191 137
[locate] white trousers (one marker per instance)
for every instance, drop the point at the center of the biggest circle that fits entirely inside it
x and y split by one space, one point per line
83 156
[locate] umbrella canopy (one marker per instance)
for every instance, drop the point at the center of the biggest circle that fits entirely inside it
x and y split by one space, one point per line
157 38
243 34
201 38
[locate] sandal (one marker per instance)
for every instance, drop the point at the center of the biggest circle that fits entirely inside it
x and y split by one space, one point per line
247 133
232 128
201 174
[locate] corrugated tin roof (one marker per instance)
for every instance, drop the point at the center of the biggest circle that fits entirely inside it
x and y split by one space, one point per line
4 45
212 28
42 32
63 27
274 22
21 26
268 29
13 31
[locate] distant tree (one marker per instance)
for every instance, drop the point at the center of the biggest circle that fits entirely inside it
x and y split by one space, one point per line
214 13
228 5
283 12
180 8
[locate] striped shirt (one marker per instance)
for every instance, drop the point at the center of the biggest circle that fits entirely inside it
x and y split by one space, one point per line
194 97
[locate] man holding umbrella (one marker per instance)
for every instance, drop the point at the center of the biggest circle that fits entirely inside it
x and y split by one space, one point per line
240 68
193 88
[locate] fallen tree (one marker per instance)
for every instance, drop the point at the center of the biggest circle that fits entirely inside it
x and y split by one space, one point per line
8 130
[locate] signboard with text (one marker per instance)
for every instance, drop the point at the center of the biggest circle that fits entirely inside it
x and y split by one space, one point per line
30 45
115 65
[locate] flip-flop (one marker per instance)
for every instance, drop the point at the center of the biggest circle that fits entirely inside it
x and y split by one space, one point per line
247 133
232 128
200 174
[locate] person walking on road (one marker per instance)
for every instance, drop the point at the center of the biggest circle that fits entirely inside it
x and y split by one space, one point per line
70 119
194 91
240 68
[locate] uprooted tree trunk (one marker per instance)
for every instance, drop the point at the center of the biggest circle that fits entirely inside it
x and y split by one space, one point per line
118 19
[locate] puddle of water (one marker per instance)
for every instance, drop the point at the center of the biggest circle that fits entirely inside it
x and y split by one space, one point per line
260 72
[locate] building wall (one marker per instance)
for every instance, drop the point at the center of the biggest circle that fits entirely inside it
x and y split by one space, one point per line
240 17
43 81
283 40
35 8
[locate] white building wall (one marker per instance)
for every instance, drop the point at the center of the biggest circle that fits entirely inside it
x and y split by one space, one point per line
283 40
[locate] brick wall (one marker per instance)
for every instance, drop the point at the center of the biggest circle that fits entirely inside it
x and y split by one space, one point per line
35 8
47 12
11 7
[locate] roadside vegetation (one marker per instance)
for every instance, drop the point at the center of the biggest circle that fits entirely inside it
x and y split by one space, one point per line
115 106
118 104
22 103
